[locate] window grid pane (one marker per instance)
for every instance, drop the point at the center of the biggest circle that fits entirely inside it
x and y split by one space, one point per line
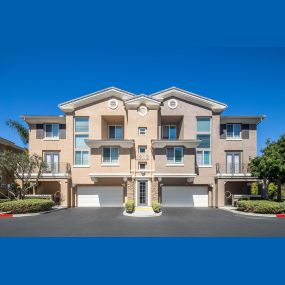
82 125
80 141
204 125
205 141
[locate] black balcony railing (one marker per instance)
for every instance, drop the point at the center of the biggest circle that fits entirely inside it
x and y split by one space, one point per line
232 168
56 168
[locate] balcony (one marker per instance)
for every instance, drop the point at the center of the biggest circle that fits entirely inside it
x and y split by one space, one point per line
55 170
232 170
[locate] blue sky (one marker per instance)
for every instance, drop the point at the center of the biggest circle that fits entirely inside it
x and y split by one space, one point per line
64 51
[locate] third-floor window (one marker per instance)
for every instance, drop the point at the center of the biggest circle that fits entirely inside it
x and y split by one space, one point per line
169 132
81 133
204 135
52 131
115 132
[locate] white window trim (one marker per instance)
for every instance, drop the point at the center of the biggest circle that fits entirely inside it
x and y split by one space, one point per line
51 138
80 149
204 149
110 163
172 163
116 104
210 161
233 137
169 131
115 132
140 132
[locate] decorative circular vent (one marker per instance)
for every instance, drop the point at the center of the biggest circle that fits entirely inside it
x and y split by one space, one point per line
142 110
172 104
113 103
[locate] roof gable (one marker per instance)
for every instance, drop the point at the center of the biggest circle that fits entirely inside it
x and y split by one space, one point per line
190 97
142 99
71 105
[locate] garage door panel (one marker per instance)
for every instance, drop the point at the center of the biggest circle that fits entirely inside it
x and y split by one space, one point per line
100 196
185 196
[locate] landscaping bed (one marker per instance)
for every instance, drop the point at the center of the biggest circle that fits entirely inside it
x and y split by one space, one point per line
26 206
261 206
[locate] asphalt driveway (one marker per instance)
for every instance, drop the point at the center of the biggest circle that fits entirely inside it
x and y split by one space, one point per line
110 222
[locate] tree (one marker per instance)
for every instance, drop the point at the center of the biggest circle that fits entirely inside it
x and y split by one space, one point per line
22 168
270 166
21 130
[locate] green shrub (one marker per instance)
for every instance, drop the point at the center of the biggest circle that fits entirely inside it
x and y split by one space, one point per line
261 206
26 206
254 188
156 207
4 200
272 191
130 206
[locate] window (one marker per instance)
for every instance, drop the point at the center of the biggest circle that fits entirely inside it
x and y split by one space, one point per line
204 135
174 155
142 149
81 125
142 131
233 131
142 166
172 104
52 131
110 155
169 132
81 133
233 162
116 132
113 103
203 125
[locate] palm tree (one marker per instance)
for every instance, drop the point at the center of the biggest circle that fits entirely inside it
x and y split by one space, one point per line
20 129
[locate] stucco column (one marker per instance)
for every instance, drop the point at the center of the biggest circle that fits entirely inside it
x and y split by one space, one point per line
65 193
220 193
154 190
131 189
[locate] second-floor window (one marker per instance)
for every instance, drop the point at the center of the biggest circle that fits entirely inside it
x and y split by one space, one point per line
233 131
174 155
169 132
204 135
81 133
115 132
52 131
142 149
110 155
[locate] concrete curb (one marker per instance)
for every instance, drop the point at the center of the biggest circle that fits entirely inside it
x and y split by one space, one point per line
142 215
7 215
234 211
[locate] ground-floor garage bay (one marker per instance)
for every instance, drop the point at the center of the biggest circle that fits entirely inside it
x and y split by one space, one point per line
114 192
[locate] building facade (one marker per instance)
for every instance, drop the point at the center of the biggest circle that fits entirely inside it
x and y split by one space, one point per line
173 146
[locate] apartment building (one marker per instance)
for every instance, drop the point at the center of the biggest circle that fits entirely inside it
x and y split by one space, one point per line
172 146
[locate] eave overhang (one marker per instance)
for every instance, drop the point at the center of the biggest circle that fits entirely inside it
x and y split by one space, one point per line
175 175
243 119
44 119
71 105
117 143
109 175
168 143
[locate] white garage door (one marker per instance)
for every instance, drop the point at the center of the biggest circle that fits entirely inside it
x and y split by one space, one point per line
185 196
100 196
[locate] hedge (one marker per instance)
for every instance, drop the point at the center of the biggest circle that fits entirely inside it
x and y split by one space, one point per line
4 200
261 206
26 206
